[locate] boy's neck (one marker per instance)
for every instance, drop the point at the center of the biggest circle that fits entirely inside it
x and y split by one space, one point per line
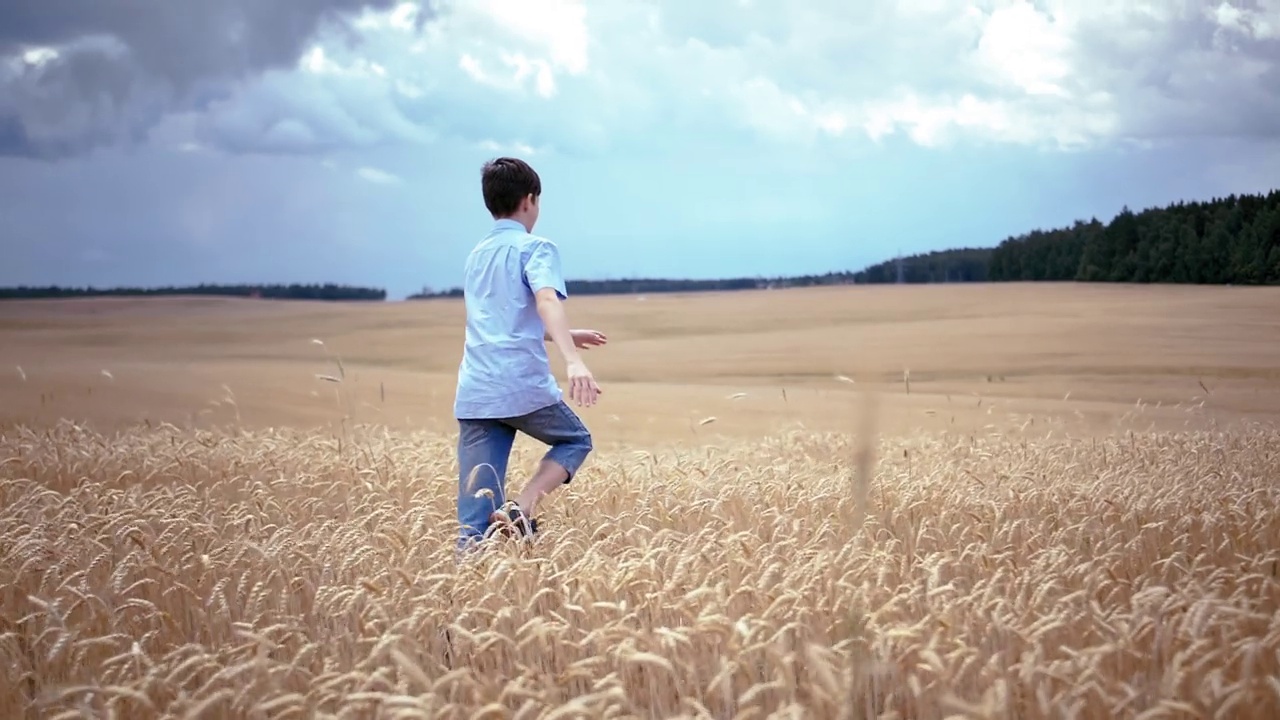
523 222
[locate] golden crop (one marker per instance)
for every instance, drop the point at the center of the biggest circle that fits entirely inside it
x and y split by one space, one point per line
281 573
1064 506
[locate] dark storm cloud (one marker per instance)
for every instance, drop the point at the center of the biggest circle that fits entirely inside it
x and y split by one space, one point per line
124 64
1189 76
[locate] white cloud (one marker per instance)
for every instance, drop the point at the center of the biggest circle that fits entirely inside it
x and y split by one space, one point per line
557 28
519 149
519 69
377 177
572 77
1027 49
1259 23
38 56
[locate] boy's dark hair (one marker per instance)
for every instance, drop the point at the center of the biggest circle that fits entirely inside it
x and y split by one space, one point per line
505 182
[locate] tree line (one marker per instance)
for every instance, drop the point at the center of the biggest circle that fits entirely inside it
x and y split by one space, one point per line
962 265
1231 240
295 291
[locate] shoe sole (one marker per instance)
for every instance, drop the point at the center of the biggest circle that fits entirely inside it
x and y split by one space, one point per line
501 523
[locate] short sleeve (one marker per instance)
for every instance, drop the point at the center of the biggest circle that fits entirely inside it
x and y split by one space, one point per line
542 268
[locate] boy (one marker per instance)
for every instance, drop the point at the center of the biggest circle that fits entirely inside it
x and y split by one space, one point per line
513 292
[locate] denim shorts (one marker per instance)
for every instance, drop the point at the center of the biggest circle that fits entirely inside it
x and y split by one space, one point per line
484 446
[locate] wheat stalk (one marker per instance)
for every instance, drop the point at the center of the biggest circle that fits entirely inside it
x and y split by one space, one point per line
163 572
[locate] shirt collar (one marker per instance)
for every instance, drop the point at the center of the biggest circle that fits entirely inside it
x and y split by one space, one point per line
508 224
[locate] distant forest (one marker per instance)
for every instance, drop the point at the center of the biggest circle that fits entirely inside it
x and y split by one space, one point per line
328 291
1231 240
963 265
1234 240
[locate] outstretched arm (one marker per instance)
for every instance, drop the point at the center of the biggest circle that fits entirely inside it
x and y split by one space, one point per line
582 385
582 339
542 274
551 310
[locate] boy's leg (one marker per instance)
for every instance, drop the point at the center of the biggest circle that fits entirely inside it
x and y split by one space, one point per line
484 447
558 426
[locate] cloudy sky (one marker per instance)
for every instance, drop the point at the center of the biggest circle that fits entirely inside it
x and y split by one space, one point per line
151 143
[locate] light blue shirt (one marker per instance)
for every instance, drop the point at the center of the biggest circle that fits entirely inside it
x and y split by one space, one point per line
505 371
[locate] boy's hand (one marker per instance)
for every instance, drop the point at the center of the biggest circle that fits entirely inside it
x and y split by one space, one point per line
582 385
584 339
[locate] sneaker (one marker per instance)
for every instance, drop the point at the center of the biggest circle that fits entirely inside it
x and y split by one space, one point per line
510 518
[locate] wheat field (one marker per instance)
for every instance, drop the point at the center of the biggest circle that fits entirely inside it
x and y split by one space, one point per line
1012 502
